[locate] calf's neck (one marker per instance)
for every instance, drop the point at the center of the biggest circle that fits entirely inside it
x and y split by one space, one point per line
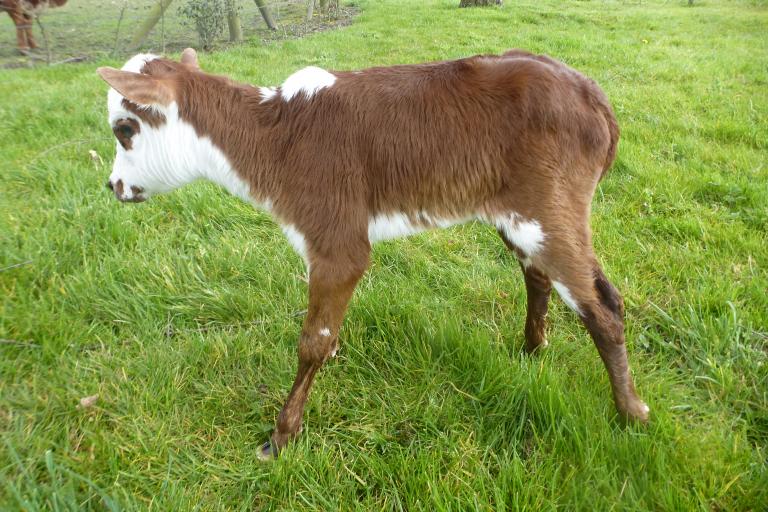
343 159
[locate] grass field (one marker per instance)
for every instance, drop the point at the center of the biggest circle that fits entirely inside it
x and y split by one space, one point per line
182 314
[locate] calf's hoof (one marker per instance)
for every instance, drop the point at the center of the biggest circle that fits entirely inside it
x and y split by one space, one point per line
531 348
266 452
636 411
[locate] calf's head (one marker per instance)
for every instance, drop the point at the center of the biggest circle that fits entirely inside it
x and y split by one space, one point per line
156 149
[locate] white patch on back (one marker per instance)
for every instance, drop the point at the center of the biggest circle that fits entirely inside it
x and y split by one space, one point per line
308 81
267 93
325 332
297 240
526 235
565 294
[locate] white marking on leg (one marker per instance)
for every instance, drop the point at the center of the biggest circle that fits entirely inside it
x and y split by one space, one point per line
325 332
524 234
565 294
308 81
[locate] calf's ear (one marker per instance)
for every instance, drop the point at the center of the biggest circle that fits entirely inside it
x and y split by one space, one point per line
137 87
189 57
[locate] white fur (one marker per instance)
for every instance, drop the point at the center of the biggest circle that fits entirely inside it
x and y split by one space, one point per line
325 332
296 239
307 81
565 294
394 225
164 158
267 93
524 234
137 62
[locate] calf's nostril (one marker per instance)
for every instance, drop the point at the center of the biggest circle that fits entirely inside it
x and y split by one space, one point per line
110 186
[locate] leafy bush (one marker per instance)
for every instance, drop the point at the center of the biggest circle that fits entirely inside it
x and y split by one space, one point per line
207 17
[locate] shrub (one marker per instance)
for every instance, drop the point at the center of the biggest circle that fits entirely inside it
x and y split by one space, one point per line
207 17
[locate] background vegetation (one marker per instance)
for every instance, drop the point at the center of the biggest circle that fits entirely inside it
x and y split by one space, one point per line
98 29
182 313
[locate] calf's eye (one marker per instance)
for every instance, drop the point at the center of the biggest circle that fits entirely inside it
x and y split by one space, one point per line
126 130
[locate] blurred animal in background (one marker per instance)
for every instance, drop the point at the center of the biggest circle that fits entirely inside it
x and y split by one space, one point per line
23 12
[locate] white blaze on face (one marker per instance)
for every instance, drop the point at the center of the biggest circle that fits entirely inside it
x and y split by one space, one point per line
306 81
164 157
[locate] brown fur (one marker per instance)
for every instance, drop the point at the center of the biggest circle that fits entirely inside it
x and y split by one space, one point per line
151 117
484 135
22 13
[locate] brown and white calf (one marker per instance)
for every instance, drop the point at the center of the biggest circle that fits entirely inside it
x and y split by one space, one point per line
22 13
344 159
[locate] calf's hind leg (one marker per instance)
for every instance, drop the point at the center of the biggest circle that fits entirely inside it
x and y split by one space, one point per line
583 286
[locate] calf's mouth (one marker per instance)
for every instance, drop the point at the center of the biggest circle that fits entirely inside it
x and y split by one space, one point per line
137 193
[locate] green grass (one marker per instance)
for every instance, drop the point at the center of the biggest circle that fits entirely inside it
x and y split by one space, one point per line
181 313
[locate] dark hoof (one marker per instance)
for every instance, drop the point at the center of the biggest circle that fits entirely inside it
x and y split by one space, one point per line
266 452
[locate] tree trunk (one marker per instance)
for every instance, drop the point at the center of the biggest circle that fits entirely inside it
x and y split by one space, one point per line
233 21
154 16
265 14
310 9
479 3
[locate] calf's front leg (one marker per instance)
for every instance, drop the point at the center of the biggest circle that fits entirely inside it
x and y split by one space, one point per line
331 284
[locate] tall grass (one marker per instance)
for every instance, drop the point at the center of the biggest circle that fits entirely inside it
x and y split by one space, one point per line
182 313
